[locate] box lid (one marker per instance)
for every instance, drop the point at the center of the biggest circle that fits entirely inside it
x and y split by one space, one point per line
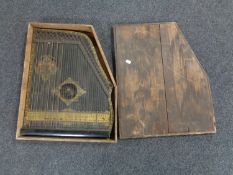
162 88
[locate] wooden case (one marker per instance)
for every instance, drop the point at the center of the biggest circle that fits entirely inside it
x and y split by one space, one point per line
89 30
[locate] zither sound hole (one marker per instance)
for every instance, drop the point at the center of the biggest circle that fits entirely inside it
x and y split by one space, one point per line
68 91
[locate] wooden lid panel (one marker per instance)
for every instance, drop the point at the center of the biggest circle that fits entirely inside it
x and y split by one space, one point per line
163 90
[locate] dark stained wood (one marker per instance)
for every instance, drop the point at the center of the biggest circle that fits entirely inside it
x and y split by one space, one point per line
142 105
189 103
103 61
163 90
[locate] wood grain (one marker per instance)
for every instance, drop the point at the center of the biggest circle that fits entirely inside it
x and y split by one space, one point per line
163 90
189 103
142 105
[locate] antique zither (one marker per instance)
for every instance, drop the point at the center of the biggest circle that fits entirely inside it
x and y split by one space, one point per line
69 93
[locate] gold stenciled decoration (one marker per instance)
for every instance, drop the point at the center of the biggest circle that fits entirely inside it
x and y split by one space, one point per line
69 91
89 117
46 67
